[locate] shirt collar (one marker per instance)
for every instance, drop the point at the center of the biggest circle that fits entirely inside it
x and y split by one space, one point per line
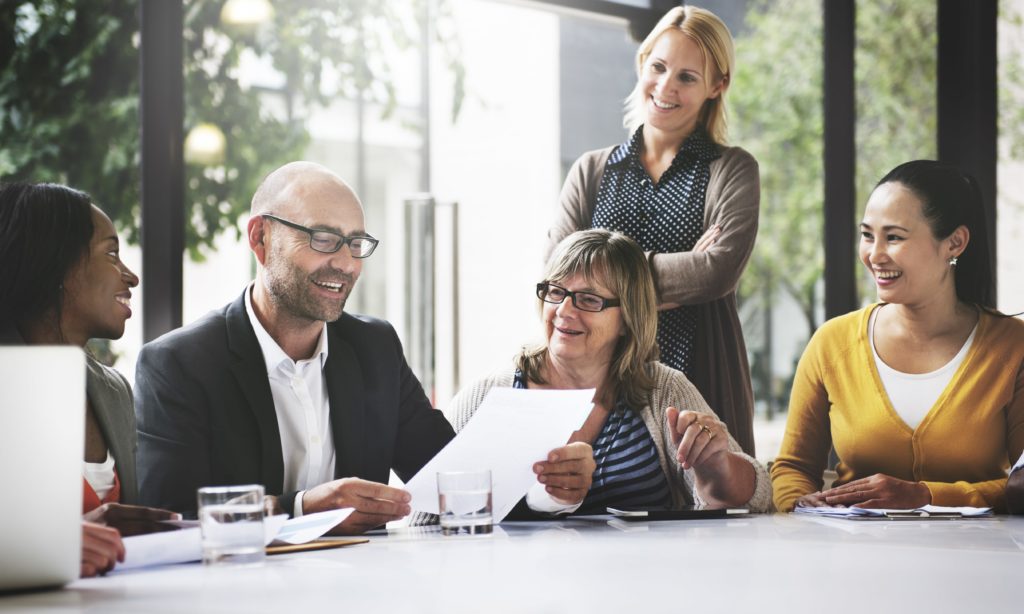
273 355
696 147
630 150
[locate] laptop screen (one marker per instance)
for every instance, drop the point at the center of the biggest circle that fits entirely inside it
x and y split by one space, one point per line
42 423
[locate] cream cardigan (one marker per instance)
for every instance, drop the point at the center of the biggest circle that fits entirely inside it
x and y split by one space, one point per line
960 450
671 389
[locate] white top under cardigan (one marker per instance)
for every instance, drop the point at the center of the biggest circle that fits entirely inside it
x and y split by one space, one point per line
913 395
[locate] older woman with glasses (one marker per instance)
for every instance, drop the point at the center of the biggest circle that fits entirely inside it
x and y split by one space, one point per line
655 442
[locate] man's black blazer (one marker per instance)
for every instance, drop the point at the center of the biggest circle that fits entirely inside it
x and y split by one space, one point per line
206 415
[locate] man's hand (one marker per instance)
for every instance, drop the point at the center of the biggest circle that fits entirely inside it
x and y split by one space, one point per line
102 548
375 504
568 472
132 519
879 490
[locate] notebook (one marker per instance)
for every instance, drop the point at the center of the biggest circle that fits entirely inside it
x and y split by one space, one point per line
42 442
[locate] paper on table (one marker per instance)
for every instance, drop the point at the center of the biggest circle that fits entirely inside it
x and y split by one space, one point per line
181 546
512 429
307 528
185 545
865 512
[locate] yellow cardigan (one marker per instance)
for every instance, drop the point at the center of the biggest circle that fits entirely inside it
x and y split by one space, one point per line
961 450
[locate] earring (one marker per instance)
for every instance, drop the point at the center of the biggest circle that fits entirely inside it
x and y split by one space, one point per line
952 261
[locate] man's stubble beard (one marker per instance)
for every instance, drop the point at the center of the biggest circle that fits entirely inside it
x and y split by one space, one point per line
289 288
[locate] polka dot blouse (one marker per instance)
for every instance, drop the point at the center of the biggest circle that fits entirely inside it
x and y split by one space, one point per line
664 217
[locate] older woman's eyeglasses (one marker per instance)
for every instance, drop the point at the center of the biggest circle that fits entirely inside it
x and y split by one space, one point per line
328 242
586 301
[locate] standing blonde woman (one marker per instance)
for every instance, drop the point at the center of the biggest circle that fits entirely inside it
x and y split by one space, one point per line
687 199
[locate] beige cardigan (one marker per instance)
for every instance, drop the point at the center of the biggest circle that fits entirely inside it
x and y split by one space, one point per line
706 279
671 389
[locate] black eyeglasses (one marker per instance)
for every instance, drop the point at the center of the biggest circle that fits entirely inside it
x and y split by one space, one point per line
328 242
587 301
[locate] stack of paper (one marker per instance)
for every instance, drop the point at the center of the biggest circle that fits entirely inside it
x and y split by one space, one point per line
864 513
185 544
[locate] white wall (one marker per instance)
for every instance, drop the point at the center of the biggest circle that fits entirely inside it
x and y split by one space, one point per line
500 162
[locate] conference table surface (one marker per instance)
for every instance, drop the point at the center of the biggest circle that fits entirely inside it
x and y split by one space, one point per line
765 563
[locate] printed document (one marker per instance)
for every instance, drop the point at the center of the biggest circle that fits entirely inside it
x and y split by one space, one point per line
513 429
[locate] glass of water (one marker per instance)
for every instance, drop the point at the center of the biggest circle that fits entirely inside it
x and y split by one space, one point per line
231 521
465 502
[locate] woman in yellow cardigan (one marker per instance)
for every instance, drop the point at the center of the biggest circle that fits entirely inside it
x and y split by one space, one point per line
922 394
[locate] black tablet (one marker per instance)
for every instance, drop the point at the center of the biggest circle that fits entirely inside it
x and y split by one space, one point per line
690 512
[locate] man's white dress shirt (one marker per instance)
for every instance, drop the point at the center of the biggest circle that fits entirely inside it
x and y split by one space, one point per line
299 389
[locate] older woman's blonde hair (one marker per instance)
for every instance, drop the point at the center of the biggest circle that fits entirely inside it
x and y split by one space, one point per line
616 262
715 42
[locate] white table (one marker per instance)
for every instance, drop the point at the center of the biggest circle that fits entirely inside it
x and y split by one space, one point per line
773 563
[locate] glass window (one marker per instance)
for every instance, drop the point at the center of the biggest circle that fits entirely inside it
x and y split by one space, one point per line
776 114
896 90
1010 172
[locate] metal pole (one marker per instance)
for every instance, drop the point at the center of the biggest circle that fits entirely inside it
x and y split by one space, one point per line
419 288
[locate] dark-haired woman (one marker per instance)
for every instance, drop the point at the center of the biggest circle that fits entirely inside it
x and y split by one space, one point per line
64 283
922 394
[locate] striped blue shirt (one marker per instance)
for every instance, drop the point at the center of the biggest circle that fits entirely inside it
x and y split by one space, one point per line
628 472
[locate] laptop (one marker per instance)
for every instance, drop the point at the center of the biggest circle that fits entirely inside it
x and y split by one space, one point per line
42 443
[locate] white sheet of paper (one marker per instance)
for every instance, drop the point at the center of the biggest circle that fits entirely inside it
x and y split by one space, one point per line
512 429
307 528
181 546
851 512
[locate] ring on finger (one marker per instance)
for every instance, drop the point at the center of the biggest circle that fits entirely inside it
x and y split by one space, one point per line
704 429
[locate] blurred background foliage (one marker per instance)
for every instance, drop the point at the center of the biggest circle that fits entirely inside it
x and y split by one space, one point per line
69 93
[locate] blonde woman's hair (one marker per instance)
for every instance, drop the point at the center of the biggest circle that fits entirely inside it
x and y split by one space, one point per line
715 42
616 262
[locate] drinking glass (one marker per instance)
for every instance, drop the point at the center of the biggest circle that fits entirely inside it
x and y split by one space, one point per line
465 502
231 521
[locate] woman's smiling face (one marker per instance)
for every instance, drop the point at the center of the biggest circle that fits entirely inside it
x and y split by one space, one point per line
97 291
909 265
576 337
674 85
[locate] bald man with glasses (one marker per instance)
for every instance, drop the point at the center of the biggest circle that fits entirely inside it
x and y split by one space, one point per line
281 387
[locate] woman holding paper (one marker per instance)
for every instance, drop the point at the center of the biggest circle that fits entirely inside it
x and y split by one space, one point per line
64 283
655 441
921 394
